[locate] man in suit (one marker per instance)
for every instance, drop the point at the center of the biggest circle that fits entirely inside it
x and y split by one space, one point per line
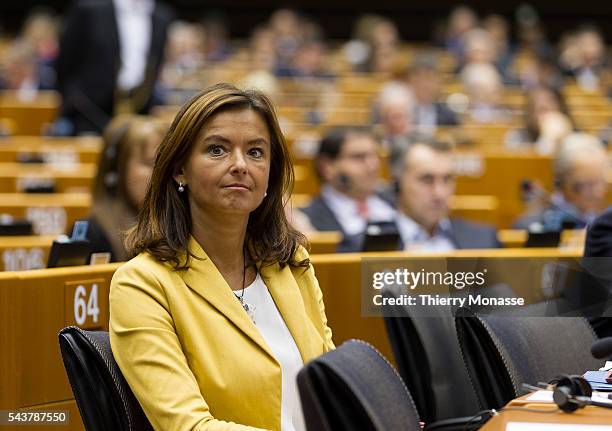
596 280
348 165
429 112
580 167
110 55
425 185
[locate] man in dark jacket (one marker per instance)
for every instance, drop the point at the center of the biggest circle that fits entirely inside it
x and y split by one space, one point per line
110 55
348 165
425 185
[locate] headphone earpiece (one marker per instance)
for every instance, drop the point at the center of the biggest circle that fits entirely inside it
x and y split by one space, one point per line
567 388
396 186
111 155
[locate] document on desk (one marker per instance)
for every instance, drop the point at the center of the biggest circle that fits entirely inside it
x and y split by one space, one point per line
538 426
547 397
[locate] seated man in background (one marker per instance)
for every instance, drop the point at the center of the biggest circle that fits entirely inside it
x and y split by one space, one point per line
429 110
348 165
394 111
580 168
599 236
425 186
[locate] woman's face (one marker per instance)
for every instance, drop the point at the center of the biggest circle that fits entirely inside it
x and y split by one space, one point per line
139 168
229 165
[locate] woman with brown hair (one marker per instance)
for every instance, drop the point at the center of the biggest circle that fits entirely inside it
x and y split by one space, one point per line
547 121
130 143
220 308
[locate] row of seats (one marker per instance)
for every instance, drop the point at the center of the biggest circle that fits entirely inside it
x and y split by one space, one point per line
36 305
450 369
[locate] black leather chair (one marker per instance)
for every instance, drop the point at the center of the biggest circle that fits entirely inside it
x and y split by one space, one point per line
429 360
355 388
502 352
104 398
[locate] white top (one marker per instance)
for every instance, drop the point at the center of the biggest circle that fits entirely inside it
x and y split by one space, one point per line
426 119
346 211
134 26
274 331
415 237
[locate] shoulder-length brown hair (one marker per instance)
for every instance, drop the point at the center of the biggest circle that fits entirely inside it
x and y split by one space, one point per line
164 223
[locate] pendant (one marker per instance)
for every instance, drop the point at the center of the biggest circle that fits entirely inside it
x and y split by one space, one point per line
250 310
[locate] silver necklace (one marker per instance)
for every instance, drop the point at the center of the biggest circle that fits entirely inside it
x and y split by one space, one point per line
250 309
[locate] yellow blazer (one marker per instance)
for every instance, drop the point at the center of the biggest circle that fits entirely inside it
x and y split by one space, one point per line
191 354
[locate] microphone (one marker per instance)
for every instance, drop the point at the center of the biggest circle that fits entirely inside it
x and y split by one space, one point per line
602 349
531 188
345 181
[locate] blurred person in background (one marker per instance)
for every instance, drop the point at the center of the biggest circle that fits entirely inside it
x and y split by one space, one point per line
546 122
184 51
374 47
287 29
530 33
130 145
262 61
583 56
394 113
581 167
384 42
485 88
184 57
461 20
308 62
262 48
483 47
425 182
19 71
348 166
41 31
429 110
498 28
542 71
111 52
217 46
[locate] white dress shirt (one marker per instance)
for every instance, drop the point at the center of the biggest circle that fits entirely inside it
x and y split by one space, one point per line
415 237
134 24
426 119
346 210
274 331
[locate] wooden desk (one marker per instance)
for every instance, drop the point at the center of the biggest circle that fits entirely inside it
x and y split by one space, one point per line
324 242
327 242
17 177
30 116
21 253
56 151
34 306
588 415
50 214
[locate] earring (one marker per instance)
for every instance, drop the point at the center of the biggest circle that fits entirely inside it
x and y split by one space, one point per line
265 194
181 188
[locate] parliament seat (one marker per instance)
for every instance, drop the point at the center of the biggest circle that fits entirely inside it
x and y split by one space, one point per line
104 398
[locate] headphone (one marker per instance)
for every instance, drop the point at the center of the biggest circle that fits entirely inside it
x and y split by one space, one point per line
345 181
574 392
111 155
